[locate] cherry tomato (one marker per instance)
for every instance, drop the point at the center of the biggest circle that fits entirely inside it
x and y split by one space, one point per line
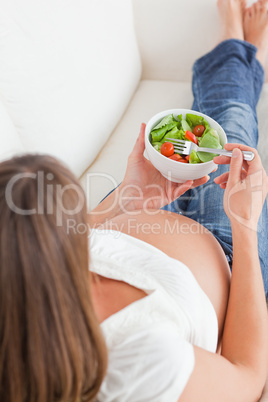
190 136
183 160
187 158
199 130
167 149
175 157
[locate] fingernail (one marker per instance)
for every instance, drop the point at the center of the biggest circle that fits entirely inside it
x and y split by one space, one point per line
235 153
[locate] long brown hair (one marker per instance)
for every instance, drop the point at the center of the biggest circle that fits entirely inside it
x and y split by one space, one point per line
51 346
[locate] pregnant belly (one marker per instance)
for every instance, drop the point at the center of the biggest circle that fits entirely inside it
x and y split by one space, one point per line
189 242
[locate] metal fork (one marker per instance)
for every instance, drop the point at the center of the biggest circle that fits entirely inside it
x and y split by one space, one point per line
186 147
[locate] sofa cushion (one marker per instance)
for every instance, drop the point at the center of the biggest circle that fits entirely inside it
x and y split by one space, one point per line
9 139
172 34
108 169
68 70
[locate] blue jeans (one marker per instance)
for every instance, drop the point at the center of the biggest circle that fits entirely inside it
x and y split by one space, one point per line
226 85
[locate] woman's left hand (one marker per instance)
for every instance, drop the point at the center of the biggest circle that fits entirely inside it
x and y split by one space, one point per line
145 186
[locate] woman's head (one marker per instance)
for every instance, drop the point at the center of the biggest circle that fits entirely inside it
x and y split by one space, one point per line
51 348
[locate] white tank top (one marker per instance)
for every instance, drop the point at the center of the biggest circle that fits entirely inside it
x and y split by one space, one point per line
150 341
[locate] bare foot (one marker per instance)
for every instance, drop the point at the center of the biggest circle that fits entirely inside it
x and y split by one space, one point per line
256 28
231 13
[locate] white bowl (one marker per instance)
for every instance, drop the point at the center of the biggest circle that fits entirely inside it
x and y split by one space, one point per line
173 170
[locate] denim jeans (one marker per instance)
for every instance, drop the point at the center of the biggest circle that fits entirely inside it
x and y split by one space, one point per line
226 85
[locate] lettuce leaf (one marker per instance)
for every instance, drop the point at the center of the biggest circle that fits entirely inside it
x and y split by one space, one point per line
194 120
194 157
174 133
208 141
158 134
157 146
166 120
184 125
213 132
165 125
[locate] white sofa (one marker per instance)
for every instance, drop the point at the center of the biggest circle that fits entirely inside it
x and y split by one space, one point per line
78 77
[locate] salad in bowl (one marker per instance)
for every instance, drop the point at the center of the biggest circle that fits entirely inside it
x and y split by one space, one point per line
188 125
193 128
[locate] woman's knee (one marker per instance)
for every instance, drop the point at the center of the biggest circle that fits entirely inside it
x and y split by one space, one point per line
239 121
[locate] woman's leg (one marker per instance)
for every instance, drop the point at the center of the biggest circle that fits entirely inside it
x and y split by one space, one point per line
226 84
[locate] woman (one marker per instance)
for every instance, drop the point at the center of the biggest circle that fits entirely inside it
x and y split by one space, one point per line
151 311
162 321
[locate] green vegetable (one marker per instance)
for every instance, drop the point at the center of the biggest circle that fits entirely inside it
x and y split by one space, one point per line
184 125
158 134
209 140
194 120
157 146
165 125
182 135
166 120
194 157
174 133
213 132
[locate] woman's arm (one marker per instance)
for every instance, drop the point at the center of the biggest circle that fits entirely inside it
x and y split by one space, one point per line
240 373
143 188
245 331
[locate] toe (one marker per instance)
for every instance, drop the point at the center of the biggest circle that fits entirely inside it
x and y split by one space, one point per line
260 6
249 12
244 6
255 7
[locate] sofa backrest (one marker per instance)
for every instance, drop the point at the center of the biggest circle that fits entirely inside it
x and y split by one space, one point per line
172 34
67 72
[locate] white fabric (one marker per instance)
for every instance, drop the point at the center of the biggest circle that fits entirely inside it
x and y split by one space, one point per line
151 97
9 139
150 341
67 72
153 365
172 34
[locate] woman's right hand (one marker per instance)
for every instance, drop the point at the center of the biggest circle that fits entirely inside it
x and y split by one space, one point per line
246 186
